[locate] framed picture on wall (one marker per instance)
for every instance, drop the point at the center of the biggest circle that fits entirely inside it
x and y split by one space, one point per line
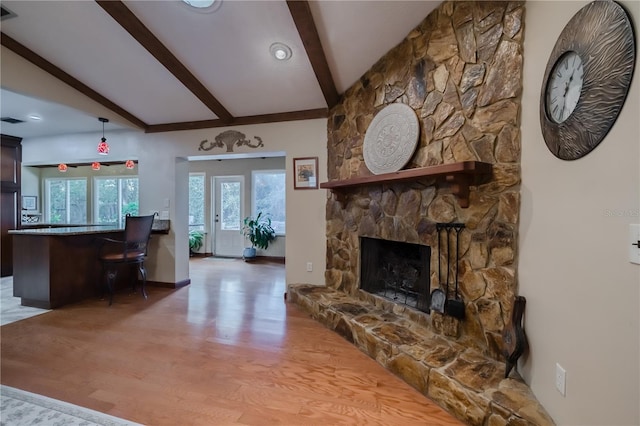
29 202
305 173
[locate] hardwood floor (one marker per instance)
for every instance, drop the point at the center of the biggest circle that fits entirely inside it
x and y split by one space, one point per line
225 350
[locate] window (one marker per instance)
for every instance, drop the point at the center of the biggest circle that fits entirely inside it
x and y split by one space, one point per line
268 192
66 200
231 205
114 198
196 201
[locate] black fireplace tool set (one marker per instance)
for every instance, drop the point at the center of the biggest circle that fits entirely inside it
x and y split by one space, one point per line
446 299
443 301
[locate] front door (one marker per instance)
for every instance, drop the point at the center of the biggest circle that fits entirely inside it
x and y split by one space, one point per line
228 213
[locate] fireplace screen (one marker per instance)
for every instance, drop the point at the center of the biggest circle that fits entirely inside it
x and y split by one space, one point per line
396 271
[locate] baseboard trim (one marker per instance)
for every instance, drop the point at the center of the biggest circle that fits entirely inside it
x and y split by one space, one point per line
199 255
34 303
276 259
179 284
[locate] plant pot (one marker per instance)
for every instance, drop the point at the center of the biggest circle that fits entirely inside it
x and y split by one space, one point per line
249 253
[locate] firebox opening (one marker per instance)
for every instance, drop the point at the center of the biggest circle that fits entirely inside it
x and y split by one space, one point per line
396 271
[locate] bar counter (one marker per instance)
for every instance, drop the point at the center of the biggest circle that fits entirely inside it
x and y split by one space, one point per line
53 267
66 230
160 226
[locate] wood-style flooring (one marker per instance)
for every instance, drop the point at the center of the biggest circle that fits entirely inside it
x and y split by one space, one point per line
225 350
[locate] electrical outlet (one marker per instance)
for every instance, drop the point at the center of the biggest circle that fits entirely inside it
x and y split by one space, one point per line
561 379
309 267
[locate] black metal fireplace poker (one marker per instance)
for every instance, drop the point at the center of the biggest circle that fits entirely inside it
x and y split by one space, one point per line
455 306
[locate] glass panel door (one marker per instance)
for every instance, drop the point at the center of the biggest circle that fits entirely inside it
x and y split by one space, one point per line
228 215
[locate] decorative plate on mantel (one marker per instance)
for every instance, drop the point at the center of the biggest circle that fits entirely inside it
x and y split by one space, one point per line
391 139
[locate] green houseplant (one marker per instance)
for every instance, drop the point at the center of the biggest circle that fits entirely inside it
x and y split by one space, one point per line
196 239
259 232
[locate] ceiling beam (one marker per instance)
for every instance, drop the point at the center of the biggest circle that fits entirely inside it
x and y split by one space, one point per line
130 22
252 119
61 75
301 14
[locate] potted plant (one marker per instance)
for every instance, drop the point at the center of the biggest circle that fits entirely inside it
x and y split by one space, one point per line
259 232
196 239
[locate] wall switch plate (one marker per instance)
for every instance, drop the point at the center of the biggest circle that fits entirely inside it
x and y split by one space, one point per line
309 266
561 379
634 244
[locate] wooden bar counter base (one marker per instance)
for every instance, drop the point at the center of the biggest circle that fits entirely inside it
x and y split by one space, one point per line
53 267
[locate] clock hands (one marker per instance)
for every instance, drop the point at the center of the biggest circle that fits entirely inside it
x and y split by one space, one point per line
565 95
566 84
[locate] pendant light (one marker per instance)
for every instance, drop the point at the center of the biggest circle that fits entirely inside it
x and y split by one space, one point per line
62 168
103 146
95 165
129 164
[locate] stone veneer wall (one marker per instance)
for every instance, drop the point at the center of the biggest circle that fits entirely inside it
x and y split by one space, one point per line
461 71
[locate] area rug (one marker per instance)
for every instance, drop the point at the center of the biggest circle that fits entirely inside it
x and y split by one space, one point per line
21 408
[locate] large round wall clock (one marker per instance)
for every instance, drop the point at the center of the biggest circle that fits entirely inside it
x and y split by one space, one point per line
587 79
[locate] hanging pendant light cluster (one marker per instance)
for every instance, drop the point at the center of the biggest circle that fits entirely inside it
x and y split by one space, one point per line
103 149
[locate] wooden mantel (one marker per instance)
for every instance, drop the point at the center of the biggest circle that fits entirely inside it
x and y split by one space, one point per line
459 175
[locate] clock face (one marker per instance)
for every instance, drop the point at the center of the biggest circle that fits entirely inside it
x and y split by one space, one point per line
564 87
587 79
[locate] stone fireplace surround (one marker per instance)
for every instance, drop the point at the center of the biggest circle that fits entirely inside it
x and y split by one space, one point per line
461 72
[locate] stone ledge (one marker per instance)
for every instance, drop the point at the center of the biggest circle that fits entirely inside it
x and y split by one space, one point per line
464 382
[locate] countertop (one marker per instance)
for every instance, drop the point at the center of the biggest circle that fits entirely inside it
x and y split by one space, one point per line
70 230
160 226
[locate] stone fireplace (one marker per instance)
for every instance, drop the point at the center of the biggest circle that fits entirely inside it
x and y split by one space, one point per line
397 271
460 70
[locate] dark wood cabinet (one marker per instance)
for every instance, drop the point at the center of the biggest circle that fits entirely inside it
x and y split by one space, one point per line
11 161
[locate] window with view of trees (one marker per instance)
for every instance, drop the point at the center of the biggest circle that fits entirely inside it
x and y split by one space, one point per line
268 192
66 200
114 198
231 204
196 201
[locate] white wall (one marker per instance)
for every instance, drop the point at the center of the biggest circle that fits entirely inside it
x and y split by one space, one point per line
163 172
30 184
582 292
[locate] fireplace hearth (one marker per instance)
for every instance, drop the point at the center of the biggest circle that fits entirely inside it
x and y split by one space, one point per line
397 271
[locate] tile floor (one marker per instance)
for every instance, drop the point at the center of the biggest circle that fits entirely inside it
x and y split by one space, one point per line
10 308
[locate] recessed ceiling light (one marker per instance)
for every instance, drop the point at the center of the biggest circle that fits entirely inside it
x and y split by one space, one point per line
204 5
280 51
35 117
200 4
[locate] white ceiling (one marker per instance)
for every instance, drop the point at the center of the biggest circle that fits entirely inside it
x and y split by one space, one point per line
227 51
